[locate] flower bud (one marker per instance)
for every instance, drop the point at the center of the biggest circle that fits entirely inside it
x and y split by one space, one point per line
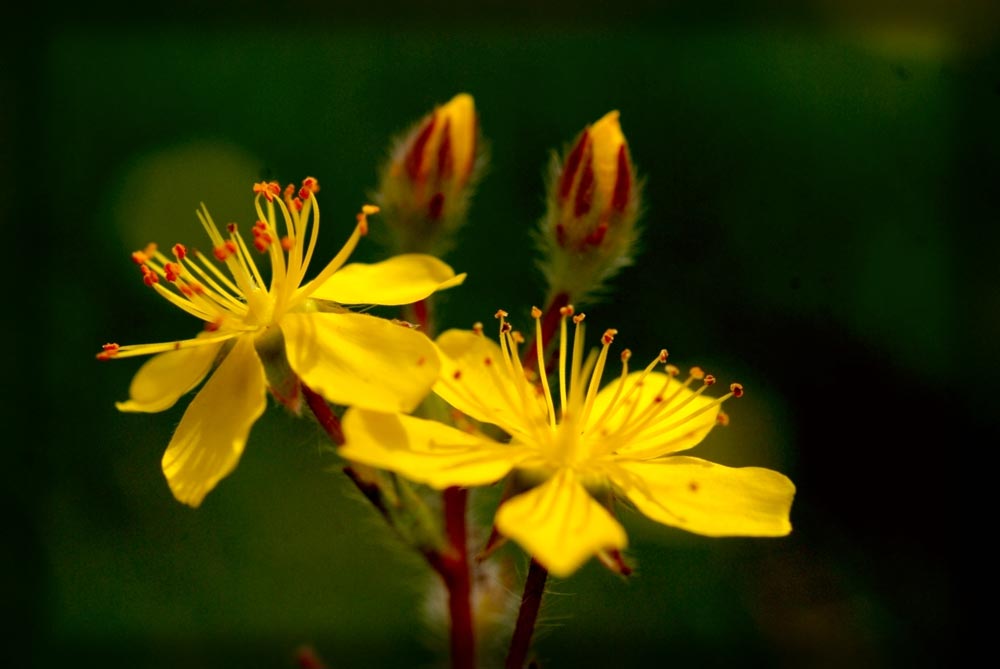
425 186
589 229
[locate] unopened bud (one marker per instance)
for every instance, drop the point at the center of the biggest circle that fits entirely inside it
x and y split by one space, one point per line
426 184
589 229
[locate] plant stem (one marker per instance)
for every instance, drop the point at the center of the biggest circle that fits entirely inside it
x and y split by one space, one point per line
324 414
453 566
520 644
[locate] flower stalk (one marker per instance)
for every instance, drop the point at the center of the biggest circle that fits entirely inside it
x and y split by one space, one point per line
527 615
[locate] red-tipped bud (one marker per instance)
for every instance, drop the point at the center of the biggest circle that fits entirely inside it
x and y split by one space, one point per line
589 229
426 185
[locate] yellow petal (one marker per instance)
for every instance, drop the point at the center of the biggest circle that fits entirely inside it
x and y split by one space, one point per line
607 137
402 279
425 451
162 379
705 498
210 438
460 113
358 360
677 421
560 524
475 380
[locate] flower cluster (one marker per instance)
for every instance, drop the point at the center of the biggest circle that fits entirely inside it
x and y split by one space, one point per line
532 410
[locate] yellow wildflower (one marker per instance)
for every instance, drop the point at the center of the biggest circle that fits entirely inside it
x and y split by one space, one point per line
621 441
271 333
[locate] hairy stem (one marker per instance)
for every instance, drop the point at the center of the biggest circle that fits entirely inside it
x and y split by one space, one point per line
520 644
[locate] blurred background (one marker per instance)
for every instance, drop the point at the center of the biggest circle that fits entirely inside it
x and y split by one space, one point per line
821 208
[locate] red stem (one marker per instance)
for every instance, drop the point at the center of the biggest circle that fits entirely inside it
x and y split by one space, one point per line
520 644
324 414
454 569
550 321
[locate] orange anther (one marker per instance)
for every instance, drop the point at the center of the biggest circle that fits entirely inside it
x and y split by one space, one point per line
296 204
221 252
536 312
362 219
310 184
500 314
709 380
517 337
477 327
663 355
696 373
149 278
672 370
578 318
609 336
566 311
150 249
287 243
722 419
260 225
736 389
267 188
172 271
180 251
626 355
139 258
110 351
369 209
261 242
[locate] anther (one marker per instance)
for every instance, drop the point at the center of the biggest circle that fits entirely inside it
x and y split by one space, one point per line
672 370
109 351
287 243
517 336
231 227
578 318
180 251
626 355
139 258
505 327
709 380
736 389
172 271
369 209
722 419
260 225
536 312
149 276
609 336
500 314
477 327
457 375
663 355
267 189
221 252
212 326
362 219
310 184
696 373
566 311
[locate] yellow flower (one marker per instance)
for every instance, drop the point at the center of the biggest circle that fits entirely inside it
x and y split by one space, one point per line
621 441
260 333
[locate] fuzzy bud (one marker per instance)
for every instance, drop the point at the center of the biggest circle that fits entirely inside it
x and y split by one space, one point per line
589 230
426 184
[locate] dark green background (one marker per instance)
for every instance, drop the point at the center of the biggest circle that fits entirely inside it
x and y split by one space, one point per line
820 224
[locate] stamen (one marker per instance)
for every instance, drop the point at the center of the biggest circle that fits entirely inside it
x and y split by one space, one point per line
536 313
180 252
109 351
722 418
268 189
477 327
736 389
